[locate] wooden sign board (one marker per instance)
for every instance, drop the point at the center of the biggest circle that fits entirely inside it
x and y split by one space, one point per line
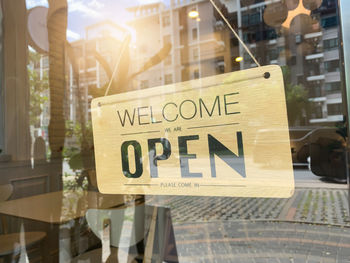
225 135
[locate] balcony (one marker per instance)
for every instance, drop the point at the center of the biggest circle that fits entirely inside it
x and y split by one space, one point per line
272 41
313 35
333 76
316 78
314 56
321 120
180 3
217 43
220 63
253 45
318 99
254 4
335 118
220 43
331 54
316 93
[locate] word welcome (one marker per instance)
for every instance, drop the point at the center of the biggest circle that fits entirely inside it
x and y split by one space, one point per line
186 110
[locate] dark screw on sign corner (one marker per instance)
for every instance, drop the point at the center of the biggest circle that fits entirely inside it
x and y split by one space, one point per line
267 75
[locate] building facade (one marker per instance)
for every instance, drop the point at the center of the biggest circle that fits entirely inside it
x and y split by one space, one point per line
204 46
199 47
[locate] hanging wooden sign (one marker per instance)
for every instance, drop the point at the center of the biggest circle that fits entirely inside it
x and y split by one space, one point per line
225 135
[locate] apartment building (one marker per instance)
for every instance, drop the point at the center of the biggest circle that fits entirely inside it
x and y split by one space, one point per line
203 46
323 66
311 52
105 40
200 47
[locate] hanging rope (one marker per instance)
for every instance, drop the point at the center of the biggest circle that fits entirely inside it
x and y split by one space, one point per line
234 32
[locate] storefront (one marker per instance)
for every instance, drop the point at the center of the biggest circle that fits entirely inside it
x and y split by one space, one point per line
174 131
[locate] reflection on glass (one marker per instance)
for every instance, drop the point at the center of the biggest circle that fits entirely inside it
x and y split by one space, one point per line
57 57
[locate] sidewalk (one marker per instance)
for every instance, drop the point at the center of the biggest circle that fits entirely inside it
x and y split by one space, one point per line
323 206
309 227
262 242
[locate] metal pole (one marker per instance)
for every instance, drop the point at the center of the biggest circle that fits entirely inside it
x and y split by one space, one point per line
344 36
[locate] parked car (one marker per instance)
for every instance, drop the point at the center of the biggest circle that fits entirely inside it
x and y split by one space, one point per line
328 154
320 149
299 143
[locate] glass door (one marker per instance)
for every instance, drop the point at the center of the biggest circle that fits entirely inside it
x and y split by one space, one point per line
174 131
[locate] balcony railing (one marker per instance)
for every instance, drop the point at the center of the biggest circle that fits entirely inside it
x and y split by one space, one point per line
316 78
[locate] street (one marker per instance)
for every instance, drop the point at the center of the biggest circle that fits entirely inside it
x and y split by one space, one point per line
311 226
306 179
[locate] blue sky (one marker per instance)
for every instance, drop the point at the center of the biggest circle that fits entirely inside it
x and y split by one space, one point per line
82 13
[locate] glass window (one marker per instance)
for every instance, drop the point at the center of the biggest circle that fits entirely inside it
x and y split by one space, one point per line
315 92
334 109
331 66
45 62
166 20
330 44
245 20
195 53
196 74
77 74
271 34
194 34
273 54
254 19
333 87
329 22
318 112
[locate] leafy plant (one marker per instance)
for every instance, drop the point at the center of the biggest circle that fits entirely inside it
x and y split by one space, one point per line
298 104
74 154
38 88
70 182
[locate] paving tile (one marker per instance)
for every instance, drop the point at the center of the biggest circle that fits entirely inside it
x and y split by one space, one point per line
264 234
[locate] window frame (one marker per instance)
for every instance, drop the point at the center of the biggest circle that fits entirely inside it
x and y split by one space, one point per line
194 35
2 89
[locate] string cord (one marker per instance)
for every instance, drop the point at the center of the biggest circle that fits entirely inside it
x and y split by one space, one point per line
125 43
119 58
223 17
234 32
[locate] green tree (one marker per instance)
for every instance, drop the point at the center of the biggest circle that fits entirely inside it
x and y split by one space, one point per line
38 88
298 104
